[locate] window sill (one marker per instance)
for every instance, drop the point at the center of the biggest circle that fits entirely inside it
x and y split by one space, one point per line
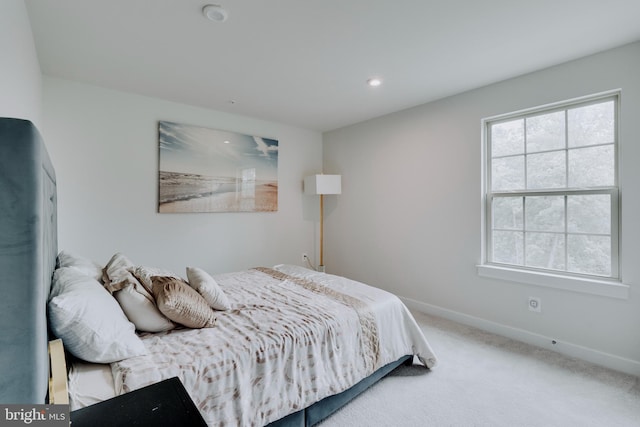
607 288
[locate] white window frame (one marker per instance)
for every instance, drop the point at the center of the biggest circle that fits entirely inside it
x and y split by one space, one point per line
598 285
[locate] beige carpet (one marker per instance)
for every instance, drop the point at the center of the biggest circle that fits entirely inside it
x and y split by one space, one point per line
485 380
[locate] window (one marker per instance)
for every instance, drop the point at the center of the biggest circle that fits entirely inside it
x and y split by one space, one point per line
551 189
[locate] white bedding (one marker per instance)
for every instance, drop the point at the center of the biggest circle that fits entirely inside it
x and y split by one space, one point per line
397 328
89 383
236 381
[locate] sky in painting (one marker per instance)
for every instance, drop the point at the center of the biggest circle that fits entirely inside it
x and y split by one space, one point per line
216 153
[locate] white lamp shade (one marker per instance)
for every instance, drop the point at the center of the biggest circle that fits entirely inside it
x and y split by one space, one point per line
323 184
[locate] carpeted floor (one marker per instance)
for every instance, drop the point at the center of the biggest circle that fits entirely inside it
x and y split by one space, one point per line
484 380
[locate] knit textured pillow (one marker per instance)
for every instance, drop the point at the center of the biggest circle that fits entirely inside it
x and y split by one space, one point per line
181 303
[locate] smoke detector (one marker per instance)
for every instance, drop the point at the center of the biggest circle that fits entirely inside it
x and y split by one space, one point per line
215 12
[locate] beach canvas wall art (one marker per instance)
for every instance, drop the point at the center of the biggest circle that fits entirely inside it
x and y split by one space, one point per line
209 170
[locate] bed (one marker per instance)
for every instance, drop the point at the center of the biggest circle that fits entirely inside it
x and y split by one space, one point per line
279 345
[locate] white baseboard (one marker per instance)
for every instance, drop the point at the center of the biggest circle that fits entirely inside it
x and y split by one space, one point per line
607 360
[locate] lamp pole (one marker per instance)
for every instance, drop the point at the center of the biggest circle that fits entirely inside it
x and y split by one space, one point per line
321 266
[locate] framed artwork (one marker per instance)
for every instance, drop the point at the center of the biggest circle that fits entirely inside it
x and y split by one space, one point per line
208 170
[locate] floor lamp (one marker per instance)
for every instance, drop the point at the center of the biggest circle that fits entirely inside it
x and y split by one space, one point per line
320 185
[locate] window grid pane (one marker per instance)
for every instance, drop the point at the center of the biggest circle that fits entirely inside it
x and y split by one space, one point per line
592 166
552 203
546 132
547 170
507 138
545 250
592 124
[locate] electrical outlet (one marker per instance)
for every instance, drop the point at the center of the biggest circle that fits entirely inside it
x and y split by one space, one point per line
304 257
535 304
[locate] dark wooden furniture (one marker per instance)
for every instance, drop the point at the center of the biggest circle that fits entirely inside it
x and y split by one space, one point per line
166 403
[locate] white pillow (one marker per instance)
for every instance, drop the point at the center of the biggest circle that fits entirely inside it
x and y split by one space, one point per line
140 307
117 273
89 321
87 266
206 286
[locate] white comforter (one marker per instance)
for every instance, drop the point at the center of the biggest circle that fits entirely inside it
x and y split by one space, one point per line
292 337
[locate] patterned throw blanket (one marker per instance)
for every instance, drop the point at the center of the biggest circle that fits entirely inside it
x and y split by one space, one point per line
286 343
368 333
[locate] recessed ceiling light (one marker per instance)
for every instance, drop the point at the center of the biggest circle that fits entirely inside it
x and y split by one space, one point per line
374 82
215 12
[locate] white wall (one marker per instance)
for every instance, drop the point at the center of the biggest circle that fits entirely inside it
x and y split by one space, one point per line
20 78
104 145
409 216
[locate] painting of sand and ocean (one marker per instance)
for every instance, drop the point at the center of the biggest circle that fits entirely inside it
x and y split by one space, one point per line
208 170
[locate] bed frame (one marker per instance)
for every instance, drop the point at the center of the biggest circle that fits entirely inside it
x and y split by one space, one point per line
28 251
327 406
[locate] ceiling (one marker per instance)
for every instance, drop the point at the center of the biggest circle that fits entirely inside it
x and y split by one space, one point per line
305 63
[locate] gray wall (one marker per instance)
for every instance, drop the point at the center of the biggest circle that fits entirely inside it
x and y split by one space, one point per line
410 214
20 78
104 145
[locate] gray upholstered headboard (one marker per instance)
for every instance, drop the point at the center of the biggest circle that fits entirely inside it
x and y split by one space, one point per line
28 249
